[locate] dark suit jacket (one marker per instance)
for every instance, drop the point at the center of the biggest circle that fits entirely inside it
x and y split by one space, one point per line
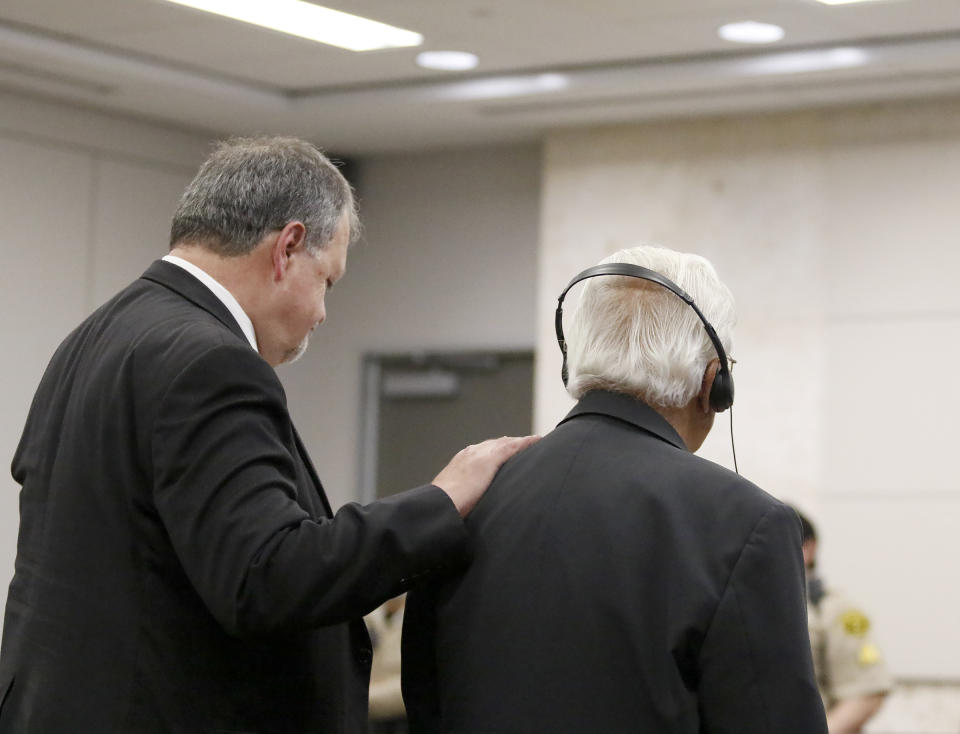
177 567
618 584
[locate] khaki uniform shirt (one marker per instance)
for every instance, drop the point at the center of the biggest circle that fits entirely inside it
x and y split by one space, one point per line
846 659
386 698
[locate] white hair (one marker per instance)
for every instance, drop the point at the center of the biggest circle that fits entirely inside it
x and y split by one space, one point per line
635 336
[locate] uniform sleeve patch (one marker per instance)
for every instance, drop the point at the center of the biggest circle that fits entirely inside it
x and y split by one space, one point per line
869 654
855 623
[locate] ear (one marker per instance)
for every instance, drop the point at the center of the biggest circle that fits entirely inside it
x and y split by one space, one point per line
291 238
706 385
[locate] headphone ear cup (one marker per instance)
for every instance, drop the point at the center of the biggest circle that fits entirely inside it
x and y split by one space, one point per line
721 394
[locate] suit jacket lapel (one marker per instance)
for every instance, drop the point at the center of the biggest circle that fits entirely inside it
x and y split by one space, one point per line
180 281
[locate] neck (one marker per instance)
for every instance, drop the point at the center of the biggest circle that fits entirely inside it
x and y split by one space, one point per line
241 275
250 279
216 266
230 272
690 422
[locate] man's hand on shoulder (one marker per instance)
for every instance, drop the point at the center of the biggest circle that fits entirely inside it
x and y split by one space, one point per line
470 472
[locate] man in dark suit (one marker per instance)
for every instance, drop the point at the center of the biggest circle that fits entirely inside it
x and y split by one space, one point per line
619 583
178 567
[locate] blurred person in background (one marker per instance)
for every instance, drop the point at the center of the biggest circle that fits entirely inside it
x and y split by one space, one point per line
179 568
851 674
620 583
387 713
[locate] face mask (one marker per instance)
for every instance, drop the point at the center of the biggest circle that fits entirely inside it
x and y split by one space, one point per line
815 590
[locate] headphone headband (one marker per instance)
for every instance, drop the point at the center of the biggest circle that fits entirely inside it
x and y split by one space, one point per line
721 395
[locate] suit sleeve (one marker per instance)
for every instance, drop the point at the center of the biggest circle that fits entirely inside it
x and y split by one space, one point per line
756 670
225 488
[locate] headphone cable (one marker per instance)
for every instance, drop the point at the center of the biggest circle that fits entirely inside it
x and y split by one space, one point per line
732 447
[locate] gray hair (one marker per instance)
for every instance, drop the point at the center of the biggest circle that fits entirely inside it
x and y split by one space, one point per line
249 187
633 336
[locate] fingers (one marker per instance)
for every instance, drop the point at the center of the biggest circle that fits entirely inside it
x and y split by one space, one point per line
469 473
505 447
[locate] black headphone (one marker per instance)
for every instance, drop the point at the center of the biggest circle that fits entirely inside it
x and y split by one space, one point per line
721 394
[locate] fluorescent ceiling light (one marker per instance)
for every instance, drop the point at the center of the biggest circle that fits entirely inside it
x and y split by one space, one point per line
749 31
447 60
843 2
504 86
798 62
314 22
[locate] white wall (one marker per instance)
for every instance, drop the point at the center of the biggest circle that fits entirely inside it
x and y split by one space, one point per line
836 231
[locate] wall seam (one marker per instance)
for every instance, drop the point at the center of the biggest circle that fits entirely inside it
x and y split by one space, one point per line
90 273
46 141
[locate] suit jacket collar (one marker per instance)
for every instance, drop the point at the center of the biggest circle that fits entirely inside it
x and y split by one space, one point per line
629 410
180 281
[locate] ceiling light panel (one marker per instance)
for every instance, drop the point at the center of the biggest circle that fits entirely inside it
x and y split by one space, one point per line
447 60
501 87
811 60
313 22
844 2
750 31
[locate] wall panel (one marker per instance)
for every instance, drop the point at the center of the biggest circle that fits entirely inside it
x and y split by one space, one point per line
836 231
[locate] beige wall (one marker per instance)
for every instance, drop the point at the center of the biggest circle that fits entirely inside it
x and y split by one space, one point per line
836 231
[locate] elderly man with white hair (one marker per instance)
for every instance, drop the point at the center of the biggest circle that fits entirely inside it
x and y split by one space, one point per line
620 583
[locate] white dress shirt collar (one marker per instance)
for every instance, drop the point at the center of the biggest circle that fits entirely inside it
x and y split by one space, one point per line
225 296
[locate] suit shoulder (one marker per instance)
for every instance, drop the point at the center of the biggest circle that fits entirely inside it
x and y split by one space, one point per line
735 485
154 334
152 319
731 505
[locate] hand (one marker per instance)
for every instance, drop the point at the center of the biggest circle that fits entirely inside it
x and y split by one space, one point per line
470 472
